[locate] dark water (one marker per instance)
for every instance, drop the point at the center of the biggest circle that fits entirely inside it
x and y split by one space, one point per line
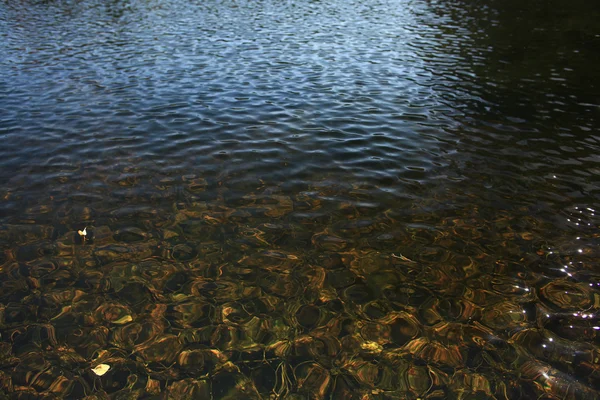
300 199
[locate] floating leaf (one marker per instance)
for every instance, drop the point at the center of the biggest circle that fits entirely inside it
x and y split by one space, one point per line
101 369
123 320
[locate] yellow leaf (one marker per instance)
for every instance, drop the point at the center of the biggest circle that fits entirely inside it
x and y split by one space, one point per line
123 320
101 369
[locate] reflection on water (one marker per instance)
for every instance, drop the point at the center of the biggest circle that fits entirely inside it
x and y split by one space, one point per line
299 200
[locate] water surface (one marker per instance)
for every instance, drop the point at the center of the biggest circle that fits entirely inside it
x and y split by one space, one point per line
299 199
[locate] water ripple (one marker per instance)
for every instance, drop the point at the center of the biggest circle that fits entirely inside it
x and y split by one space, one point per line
406 181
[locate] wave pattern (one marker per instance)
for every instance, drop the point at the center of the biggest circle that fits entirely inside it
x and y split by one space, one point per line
299 199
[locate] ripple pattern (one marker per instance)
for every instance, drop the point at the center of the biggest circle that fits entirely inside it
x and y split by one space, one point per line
388 199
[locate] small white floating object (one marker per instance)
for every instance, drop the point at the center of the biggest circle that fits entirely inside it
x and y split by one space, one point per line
101 369
83 232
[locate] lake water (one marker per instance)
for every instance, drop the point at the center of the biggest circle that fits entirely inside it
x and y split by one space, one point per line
387 199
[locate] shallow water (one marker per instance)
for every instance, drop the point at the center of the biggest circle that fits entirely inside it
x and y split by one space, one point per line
299 200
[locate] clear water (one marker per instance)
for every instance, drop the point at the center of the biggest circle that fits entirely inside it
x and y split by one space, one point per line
299 199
